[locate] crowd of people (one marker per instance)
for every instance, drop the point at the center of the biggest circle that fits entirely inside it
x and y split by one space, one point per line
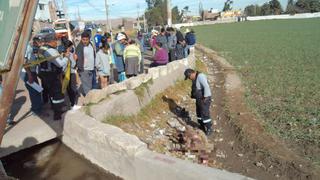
170 44
73 70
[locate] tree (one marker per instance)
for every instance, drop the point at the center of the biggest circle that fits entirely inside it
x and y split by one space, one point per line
227 5
275 7
253 10
185 10
176 15
156 13
291 7
307 6
153 3
266 9
314 6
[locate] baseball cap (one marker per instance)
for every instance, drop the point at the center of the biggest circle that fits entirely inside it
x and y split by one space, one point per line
154 32
187 73
37 39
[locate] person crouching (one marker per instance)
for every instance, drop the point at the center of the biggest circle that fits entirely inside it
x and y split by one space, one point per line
103 64
161 56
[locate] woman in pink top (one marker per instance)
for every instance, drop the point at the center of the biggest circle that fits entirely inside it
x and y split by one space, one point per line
161 56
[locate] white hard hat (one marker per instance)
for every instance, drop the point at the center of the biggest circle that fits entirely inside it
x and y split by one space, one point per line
121 36
99 30
154 32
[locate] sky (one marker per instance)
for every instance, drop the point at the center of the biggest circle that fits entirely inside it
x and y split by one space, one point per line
95 9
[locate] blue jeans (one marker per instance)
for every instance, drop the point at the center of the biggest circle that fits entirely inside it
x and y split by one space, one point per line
186 50
179 51
86 78
0 90
95 84
35 96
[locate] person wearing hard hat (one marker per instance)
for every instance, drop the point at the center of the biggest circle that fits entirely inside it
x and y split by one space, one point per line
97 39
51 73
202 93
119 47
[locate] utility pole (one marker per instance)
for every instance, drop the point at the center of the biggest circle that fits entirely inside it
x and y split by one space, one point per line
138 19
169 13
201 10
64 6
107 14
144 23
79 17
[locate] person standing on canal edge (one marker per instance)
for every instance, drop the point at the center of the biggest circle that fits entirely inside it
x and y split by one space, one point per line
202 93
85 55
51 73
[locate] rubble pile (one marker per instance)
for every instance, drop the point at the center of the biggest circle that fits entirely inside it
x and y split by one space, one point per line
186 141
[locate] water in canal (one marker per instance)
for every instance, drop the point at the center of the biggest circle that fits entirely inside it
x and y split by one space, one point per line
52 161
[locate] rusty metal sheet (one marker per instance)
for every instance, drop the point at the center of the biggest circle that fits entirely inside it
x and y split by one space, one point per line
9 23
19 39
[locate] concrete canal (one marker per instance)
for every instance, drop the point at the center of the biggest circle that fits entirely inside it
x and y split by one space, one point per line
52 160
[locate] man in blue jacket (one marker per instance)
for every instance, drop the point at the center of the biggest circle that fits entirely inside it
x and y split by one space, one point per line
202 93
190 41
97 38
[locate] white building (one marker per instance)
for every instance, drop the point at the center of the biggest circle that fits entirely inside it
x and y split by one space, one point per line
45 11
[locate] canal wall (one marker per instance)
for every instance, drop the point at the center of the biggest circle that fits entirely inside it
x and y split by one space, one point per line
121 153
126 156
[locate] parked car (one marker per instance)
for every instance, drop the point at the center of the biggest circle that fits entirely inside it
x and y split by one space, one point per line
45 31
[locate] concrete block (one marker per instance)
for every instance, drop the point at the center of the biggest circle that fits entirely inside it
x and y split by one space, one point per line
113 88
126 103
163 71
104 145
95 96
175 65
151 165
145 77
134 82
180 61
170 67
185 62
155 72
191 62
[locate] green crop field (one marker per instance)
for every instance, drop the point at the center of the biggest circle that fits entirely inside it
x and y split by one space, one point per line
279 62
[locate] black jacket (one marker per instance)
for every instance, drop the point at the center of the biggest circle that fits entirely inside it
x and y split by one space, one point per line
80 54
